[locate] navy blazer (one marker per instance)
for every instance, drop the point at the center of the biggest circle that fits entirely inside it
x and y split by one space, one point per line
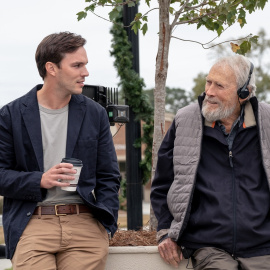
21 162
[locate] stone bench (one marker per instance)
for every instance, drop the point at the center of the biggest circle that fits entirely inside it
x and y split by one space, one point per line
138 257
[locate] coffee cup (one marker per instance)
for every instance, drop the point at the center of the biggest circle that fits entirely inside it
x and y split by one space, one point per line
77 165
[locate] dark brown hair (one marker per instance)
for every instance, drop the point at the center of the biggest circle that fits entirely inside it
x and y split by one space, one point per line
54 47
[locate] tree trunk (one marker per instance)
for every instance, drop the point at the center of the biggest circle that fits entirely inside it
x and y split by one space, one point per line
160 87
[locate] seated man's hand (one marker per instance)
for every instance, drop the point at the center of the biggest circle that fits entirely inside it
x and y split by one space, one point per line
170 252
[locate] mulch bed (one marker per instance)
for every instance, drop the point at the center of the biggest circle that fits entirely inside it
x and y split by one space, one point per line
134 238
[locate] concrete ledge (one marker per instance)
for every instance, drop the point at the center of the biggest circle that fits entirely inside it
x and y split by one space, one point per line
133 250
138 258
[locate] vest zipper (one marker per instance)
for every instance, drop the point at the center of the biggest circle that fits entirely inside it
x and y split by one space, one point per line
234 203
230 158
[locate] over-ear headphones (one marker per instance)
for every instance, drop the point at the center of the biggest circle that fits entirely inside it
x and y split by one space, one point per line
243 92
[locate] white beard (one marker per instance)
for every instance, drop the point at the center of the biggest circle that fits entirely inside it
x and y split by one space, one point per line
222 112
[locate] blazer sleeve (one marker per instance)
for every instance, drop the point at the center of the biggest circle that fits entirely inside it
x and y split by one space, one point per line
15 183
107 171
164 176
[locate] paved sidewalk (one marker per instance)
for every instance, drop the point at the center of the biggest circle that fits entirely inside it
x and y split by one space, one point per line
146 208
5 264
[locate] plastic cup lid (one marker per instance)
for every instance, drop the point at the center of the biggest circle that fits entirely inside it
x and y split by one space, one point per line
74 161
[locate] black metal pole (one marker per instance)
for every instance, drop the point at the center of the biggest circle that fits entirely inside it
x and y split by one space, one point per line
133 132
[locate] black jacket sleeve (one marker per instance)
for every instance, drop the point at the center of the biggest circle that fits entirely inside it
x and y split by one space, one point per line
164 176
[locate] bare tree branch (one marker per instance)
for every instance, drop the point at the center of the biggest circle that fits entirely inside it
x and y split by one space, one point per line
216 36
177 14
149 11
110 20
203 44
118 23
103 17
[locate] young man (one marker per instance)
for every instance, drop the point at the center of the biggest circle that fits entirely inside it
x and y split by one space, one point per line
211 188
46 227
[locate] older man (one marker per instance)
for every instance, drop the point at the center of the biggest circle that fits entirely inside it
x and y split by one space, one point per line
210 193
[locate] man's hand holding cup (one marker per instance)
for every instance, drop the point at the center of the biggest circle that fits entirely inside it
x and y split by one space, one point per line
65 175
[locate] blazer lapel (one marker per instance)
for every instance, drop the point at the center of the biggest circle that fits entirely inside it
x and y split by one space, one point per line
76 113
31 116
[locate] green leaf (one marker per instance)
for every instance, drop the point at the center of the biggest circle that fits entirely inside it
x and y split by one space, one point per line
113 14
147 2
216 26
223 9
138 16
81 15
145 18
119 8
242 21
261 3
131 4
137 143
231 16
204 19
210 25
148 166
254 39
220 30
102 2
222 17
212 3
136 26
91 7
242 17
144 28
244 47
171 10
242 13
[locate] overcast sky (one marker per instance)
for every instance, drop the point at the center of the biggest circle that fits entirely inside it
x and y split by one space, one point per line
23 24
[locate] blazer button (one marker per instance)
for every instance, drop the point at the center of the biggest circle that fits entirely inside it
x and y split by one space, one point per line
28 214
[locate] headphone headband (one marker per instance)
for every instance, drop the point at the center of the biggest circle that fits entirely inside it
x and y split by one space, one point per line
243 92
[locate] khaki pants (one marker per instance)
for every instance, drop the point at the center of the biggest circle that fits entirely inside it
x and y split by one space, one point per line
68 242
212 258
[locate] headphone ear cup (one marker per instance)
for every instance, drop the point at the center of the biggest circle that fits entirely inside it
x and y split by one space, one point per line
243 92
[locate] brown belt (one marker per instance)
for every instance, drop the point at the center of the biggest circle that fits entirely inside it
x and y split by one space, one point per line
61 209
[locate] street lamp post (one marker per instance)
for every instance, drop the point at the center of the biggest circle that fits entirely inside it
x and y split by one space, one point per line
133 132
